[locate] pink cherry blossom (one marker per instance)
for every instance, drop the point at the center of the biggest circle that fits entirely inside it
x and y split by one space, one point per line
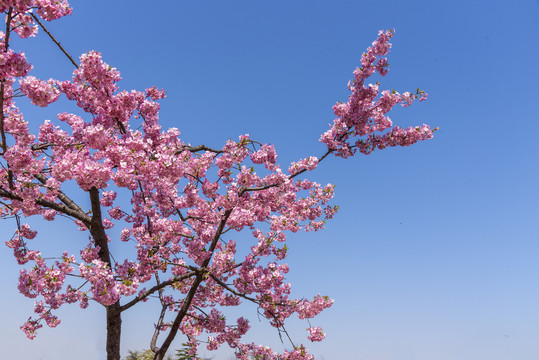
41 93
316 334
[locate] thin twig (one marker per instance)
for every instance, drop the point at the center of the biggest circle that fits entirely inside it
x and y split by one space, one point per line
197 148
55 41
63 197
156 288
221 283
9 17
159 324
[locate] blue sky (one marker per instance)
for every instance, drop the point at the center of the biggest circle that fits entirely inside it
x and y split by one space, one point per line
434 253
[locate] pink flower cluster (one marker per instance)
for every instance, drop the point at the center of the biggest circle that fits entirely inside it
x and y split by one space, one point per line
155 94
309 309
23 25
12 64
316 334
53 8
362 121
309 163
47 283
101 278
253 351
41 93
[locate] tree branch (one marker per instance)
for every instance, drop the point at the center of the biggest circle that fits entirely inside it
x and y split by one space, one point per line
220 282
63 197
9 17
43 146
51 205
197 148
157 288
53 39
243 190
97 229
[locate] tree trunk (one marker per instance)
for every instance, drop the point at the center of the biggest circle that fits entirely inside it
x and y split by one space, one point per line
114 315
114 331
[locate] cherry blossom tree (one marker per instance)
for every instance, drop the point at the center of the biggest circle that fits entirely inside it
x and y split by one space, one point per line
187 201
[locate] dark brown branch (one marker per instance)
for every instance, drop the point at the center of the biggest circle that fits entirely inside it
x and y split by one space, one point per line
162 285
63 197
281 328
220 282
97 230
2 119
160 353
197 148
55 41
256 301
114 319
9 17
51 205
216 237
157 330
121 126
44 146
243 190
148 220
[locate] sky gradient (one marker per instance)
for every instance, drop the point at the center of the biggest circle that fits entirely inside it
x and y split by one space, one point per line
434 252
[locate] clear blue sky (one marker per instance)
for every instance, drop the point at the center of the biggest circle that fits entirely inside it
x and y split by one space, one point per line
434 254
